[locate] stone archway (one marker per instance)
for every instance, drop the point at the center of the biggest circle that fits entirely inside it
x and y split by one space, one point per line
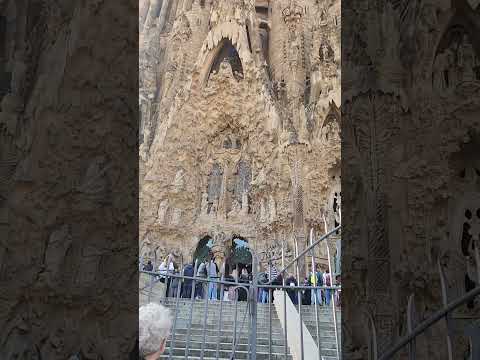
203 251
238 256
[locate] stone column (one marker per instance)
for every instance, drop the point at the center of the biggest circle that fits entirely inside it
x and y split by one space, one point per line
153 12
294 152
143 12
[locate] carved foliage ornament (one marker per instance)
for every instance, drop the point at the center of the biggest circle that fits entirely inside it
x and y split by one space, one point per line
182 30
292 15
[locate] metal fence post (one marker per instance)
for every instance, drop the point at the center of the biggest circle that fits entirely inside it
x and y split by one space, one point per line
192 300
333 300
253 308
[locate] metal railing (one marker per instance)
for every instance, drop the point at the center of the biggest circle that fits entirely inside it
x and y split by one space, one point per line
413 332
409 339
248 309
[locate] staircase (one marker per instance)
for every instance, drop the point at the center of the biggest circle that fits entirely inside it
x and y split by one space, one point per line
224 337
326 328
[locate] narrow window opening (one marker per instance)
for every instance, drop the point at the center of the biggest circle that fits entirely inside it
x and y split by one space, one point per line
248 39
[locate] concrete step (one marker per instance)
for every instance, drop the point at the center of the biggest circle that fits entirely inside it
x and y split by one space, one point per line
182 357
211 352
264 335
227 332
242 340
230 323
225 346
244 332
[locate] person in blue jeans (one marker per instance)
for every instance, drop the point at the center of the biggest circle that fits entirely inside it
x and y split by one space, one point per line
316 279
212 274
327 280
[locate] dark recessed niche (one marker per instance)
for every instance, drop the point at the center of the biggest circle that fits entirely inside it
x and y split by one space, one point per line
468 214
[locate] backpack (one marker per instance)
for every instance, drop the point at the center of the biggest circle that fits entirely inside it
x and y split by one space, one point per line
188 271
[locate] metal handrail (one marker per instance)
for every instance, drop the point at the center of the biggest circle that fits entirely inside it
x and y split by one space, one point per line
223 282
439 315
309 248
252 290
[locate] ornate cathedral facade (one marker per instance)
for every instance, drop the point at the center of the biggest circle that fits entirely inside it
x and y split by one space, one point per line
240 130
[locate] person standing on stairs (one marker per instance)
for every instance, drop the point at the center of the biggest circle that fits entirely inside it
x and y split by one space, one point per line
327 280
148 266
306 293
263 293
316 279
292 282
188 271
244 279
200 285
213 275
163 271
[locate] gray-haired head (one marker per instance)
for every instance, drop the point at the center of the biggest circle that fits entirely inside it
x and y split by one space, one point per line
154 328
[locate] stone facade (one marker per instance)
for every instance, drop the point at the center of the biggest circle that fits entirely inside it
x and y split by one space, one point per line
240 124
410 145
68 200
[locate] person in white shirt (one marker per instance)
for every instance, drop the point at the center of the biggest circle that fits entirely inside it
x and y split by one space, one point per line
162 269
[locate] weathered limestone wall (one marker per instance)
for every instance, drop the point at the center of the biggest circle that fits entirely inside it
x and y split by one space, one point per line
417 138
237 151
61 158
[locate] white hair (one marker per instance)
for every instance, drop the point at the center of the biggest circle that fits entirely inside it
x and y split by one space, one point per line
154 327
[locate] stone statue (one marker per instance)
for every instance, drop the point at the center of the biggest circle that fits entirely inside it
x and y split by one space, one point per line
245 205
272 207
261 179
162 211
236 207
214 208
94 182
467 59
181 29
439 67
204 205
325 52
58 244
179 182
323 16
177 214
263 210
451 67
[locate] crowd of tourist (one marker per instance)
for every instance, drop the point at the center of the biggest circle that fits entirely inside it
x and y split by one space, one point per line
186 287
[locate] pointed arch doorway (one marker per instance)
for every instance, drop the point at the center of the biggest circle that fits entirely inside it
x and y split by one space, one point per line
238 256
203 251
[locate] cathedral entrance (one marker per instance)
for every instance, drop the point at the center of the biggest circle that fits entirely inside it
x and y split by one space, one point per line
203 251
238 256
